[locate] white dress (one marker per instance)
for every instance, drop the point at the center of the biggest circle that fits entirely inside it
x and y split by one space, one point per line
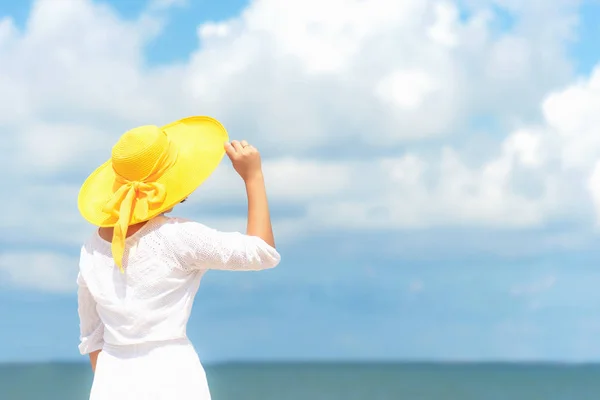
139 318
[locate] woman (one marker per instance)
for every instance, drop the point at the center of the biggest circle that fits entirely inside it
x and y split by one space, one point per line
140 270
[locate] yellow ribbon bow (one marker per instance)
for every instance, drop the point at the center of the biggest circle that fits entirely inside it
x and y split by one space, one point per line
131 202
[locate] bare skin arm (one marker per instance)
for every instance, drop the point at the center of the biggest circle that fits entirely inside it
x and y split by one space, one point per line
246 161
259 219
94 359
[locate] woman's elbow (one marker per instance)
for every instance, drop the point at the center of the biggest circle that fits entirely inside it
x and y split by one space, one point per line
261 255
264 260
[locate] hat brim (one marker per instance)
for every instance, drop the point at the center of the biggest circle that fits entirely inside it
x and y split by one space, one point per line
200 141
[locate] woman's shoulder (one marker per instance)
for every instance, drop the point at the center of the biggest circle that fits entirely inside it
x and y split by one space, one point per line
172 226
172 222
166 227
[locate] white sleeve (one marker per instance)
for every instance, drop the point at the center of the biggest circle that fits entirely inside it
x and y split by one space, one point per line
90 325
200 247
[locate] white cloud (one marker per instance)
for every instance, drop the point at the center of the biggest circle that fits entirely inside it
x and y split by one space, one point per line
38 214
566 147
50 147
406 89
46 271
355 68
349 70
300 79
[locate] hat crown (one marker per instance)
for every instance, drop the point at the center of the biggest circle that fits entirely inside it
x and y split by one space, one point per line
138 150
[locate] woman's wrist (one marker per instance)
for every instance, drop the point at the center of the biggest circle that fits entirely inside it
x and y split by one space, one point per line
255 178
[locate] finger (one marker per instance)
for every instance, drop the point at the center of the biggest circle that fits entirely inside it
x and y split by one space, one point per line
229 149
244 143
236 145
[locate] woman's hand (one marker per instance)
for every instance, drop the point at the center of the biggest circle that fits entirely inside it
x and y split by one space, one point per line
245 159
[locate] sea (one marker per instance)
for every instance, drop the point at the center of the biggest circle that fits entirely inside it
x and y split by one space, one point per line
332 381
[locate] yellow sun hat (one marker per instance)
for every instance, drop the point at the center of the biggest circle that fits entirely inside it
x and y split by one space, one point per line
151 170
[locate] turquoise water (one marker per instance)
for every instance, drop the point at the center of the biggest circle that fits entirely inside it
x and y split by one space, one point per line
336 382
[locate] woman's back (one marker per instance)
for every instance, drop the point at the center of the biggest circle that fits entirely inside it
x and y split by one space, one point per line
164 263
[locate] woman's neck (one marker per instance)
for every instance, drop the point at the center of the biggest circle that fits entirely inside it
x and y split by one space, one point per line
107 233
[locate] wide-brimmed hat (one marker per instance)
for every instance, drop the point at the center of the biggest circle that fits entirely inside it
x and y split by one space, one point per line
151 170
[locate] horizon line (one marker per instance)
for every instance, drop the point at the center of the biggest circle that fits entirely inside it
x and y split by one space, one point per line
349 362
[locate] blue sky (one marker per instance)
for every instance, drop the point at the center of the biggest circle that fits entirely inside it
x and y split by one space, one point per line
432 169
